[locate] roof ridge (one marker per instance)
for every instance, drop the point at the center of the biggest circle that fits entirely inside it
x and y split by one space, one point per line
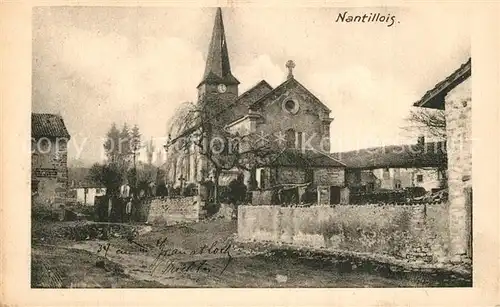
283 84
48 124
329 156
385 146
269 94
461 73
254 87
52 114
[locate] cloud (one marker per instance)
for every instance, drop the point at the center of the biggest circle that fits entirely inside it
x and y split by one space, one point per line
260 68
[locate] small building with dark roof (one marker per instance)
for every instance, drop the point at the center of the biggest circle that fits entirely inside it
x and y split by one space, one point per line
396 166
49 159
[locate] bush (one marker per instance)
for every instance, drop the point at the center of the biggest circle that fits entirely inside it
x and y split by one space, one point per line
191 190
43 213
224 194
379 197
211 208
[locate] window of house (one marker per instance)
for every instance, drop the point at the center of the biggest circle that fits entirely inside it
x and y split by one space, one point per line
263 179
44 145
299 140
398 185
420 178
290 138
386 173
291 106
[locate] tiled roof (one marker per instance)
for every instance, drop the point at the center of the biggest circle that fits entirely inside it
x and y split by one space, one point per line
240 106
308 158
432 154
255 93
289 83
48 125
434 98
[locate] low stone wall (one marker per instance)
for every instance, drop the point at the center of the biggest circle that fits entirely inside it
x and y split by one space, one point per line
414 232
170 211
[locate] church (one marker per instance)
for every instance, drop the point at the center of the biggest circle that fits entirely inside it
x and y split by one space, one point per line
289 118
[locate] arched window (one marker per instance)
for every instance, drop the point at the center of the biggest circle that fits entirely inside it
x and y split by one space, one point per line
290 138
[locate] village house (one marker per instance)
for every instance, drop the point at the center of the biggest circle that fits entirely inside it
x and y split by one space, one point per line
454 96
294 122
81 189
49 169
396 167
85 194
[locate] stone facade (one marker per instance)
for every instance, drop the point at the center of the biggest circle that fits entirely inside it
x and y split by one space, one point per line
323 176
291 117
429 178
458 129
454 96
49 171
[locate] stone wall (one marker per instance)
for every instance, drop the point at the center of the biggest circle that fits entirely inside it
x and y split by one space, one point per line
413 232
459 150
329 176
276 119
49 171
288 175
170 211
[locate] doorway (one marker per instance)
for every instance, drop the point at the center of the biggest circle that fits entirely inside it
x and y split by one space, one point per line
334 195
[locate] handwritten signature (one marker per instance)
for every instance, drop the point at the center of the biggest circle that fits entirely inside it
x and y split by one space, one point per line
164 265
215 248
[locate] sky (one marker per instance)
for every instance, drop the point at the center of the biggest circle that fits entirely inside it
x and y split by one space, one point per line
99 65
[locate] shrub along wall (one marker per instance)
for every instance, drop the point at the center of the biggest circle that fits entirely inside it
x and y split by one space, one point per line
414 232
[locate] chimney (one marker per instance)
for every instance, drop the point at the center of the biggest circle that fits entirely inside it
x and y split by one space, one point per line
421 140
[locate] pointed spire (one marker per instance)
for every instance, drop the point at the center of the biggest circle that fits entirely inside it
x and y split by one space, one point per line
218 57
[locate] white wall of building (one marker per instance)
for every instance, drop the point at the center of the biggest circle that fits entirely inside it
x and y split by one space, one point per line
91 193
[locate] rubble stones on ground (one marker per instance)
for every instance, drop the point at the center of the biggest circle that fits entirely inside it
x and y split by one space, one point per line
441 273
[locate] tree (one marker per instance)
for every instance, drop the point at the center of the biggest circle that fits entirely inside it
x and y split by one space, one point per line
134 147
121 147
143 175
199 129
125 147
135 140
427 121
108 175
150 148
111 144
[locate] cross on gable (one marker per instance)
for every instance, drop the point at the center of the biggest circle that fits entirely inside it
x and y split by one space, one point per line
290 65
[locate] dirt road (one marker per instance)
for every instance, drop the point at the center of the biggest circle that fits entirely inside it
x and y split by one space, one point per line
196 255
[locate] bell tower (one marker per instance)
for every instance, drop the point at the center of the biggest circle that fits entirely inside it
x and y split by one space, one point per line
218 83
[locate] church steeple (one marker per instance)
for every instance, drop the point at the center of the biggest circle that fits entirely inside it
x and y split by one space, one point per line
218 69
